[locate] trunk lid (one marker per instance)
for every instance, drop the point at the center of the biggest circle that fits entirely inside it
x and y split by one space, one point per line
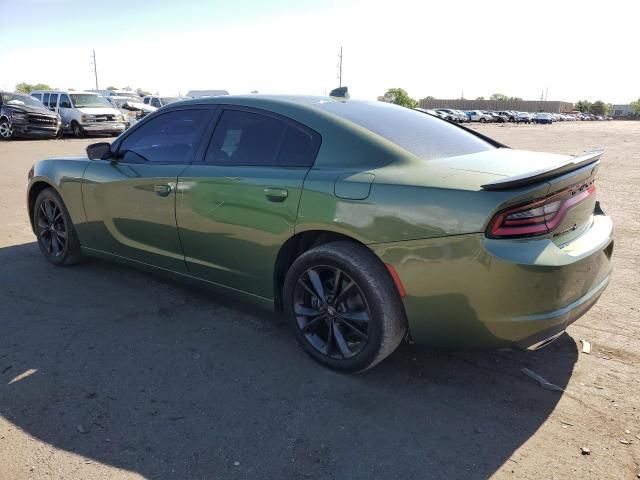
548 180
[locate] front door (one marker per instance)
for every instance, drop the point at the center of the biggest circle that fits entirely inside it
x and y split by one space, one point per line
239 205
130 202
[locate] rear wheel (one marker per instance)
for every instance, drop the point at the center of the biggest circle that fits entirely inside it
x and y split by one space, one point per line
57 238
482 120
344 307
6 130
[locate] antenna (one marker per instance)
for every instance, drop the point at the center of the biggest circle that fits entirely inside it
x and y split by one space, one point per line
340 68
95 68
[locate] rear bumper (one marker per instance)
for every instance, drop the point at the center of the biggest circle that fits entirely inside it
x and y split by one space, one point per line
470 291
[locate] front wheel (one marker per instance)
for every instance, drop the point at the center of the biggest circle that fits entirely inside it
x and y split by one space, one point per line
57 238
78 131
482 120
344 307
6 130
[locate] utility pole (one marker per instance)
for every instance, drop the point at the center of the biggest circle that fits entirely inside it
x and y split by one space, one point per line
340 68
95 68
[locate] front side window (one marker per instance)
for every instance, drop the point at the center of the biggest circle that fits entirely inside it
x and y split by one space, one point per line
64 101
37 95
246 138
167 138
155 102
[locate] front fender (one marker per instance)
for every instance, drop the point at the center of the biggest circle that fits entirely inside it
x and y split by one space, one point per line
65 176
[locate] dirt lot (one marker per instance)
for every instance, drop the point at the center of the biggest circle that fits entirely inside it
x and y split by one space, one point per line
106 372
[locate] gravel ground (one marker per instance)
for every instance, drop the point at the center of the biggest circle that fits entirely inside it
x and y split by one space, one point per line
107 372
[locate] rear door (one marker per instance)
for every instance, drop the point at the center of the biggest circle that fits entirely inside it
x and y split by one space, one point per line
130 203
239 205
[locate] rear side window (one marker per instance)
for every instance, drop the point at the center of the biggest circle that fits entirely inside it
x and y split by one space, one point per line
247 138
45 99
423 135
53 101
167 138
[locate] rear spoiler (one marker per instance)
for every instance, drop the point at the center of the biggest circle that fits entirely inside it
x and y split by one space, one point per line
535 176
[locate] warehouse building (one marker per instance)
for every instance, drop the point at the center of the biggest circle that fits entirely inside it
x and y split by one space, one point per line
517 105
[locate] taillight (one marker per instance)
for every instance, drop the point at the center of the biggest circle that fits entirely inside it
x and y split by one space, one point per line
541 216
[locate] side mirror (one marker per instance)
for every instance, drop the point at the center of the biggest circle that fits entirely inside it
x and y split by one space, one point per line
99 151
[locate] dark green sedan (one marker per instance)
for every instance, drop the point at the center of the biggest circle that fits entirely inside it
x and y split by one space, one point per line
366 223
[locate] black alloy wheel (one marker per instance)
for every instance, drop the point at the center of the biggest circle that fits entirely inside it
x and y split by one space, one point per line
331 312
343 306
52 231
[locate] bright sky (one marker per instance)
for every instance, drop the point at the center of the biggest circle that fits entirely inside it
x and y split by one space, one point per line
576 49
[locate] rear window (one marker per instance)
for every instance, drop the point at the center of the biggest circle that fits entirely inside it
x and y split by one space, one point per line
423 135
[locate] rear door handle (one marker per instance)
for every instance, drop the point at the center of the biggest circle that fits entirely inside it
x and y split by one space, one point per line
276 194
162 190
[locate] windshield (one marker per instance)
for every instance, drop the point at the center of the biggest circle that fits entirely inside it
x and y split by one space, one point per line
20 99
425 136
168 100
81 100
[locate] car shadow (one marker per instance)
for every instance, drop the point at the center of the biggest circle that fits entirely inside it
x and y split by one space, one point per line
169 381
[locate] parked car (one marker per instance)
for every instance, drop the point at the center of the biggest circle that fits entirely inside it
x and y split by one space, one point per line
158 102
463 115
498 117
432 112
510 114
543 118
123 104
365 222
479 116
451 115
24 116
83 112
524 117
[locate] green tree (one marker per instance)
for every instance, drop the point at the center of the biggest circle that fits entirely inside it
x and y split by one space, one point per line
499 96
111 87
142 93
479 98
598 108
24 87
400 97
635 106
515 99
582 106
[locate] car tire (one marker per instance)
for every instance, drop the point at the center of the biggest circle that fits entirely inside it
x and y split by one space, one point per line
343 306
6 130
77 130
54 229
482 120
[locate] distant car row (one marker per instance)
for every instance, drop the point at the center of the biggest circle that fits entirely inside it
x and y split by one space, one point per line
486 116
51 113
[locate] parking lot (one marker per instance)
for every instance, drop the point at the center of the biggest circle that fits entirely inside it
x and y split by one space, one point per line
107 372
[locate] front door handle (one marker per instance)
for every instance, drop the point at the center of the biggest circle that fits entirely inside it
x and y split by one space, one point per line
276 194
162 190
